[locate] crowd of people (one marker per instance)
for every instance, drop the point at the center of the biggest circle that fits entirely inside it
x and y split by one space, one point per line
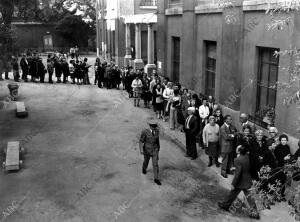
242 152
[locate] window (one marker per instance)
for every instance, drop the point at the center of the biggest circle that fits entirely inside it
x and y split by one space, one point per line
175 58
266 82
175 3
148 3
210 67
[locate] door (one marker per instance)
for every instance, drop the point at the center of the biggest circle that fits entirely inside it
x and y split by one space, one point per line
48 43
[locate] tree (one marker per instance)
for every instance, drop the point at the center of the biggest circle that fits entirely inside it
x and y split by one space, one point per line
72 27
6 12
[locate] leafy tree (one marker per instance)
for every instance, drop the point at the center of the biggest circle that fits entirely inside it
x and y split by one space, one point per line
72 27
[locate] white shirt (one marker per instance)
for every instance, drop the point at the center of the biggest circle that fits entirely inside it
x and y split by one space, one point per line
136 83
203 112
167 93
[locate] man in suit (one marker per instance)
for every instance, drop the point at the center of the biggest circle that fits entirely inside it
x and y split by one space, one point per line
244 121
25 67
242 181
227 136
191 130
149 147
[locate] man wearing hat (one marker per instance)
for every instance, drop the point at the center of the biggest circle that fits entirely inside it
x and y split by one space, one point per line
191 130
149 147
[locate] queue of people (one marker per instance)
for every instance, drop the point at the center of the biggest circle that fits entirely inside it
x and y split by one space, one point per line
241 153
58 66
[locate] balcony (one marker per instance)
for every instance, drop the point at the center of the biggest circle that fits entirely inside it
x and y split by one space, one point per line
148 4
174 7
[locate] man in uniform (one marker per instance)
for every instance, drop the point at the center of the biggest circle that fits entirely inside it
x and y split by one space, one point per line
149 147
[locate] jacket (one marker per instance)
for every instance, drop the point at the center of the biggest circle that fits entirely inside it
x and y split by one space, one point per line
192 128
151 143
227 141
242 177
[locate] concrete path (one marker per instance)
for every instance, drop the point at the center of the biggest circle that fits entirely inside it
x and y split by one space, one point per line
82 163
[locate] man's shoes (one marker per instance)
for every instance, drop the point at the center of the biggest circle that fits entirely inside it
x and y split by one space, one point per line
144 171
254 215
217 165
209 164
157 182
222 206
224 175
193 158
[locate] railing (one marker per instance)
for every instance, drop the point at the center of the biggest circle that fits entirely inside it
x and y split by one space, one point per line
148 3
175 4
257 120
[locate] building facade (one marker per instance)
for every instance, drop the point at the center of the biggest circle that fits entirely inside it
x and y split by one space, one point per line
227 51
38 36
126 32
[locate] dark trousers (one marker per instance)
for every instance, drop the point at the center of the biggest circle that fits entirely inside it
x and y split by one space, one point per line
233 195
24 74
96 78
6 74
191 148
65 78
42 78
50 77
227 161
154 164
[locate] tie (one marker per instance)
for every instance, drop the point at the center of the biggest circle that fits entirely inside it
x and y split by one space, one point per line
153 133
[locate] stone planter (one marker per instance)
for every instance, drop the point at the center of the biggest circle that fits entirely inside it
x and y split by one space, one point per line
13 91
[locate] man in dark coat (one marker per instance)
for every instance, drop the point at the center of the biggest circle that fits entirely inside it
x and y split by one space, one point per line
227 136
25 67
191 130
101 70
41 70
65 70
149 147
58 71
32 68
242 181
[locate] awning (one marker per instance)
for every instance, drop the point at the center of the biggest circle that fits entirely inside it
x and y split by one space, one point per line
141 18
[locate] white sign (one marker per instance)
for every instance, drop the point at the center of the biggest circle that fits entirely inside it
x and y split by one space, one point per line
159 65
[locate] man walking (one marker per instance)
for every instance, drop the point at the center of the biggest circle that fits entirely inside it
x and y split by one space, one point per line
149 147
227 135
191 130
242 181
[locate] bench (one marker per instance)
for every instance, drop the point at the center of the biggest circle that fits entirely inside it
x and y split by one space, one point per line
21 110
12 158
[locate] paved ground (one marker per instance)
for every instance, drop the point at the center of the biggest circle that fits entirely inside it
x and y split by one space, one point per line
82 163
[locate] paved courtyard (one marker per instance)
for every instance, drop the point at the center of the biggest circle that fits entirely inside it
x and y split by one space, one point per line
82 163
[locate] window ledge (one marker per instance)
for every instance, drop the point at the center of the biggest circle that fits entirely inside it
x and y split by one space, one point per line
174 11
208 8
149 7
260 5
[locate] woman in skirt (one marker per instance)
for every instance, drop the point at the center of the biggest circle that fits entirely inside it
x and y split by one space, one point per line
159 102
211 141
